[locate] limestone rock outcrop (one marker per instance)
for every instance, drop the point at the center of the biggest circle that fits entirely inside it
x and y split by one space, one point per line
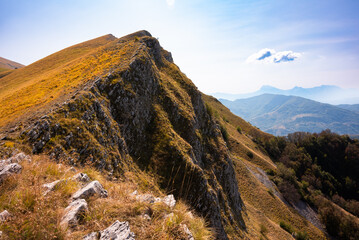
117 231
91 189
74 213
4 216
9 169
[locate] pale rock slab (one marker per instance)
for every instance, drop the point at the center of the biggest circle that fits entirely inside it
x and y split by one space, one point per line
117 231
91 189
73 213
4 215
51 186
9 169
189 235
81 177
169 200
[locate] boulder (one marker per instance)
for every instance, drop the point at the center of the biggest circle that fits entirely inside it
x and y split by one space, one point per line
20 157
9 169
117 231
91 189
51 186
81 177
4 215
14 159
169 201
74 213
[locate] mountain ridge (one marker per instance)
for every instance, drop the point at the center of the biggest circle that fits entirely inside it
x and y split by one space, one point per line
325 93
280 114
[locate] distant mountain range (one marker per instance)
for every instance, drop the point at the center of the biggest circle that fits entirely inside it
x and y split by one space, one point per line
324 93
280 115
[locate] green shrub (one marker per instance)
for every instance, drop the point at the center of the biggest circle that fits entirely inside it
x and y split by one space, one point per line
239 129
301 236
286 226
263 229
224 133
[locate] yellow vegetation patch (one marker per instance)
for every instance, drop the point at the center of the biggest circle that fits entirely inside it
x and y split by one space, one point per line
59 75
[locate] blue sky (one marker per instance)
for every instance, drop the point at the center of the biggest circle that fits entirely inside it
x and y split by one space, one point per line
218 44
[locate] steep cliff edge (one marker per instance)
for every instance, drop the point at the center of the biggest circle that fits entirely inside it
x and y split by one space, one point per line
148 113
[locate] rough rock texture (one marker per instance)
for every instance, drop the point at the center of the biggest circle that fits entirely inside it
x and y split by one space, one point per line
147 112
169 201
117 231
91 189
81 177
4 215
9 169
74 213
51 186
15 159
188 233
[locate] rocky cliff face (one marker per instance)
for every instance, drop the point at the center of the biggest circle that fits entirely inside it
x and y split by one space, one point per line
145 113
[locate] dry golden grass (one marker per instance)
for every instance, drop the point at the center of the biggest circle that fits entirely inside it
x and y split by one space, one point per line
35 216
54 78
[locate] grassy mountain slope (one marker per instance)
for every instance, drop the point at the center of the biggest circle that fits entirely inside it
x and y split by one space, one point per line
6 64
123 106
280 115
52 79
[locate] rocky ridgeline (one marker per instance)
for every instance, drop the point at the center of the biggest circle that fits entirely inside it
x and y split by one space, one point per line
151 115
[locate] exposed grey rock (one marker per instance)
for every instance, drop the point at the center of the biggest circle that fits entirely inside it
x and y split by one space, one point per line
19 158
169 200
117 231
51 186
4 215
15 159
91 189
188 233
9 169
149 198
73 213
81 177
91 236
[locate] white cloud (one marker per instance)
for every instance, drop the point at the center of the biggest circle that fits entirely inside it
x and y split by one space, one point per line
267 55
170 2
